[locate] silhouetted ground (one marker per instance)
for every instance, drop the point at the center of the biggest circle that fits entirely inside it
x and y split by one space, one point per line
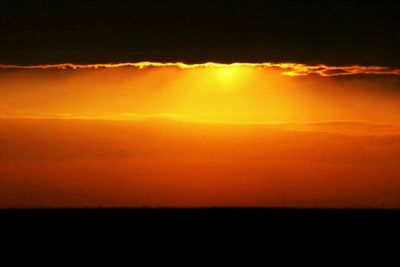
227 217
283 230
286 234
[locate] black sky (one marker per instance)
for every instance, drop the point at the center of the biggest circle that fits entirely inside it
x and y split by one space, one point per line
330 32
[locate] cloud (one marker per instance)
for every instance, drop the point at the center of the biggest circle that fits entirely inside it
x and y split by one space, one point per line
172 163
289 69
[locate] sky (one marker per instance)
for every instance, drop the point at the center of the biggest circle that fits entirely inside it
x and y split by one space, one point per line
180 135
333 32
199 104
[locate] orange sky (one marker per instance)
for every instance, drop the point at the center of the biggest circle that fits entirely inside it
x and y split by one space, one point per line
148 134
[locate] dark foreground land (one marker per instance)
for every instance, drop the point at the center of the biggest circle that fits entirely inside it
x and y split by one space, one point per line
345 229
182 217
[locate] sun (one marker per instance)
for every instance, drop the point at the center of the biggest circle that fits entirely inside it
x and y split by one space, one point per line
228 74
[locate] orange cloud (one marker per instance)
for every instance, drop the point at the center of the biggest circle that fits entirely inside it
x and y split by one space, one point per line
172 134
236 93
86 163
290 69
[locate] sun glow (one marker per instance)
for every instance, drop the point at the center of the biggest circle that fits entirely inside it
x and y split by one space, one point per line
228 74
197 135
213 93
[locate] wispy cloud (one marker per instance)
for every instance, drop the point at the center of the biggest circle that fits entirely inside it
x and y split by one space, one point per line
289 69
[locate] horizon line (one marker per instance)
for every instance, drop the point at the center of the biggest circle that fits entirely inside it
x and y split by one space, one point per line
288 69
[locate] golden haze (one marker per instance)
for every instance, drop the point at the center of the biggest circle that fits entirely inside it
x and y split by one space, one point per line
154 134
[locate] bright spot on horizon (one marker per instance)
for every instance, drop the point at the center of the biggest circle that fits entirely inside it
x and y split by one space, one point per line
229 78
228 74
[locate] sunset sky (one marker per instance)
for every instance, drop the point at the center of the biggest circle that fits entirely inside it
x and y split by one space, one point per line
190 112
